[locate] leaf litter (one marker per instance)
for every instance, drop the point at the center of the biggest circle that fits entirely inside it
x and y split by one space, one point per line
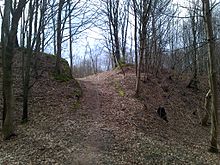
109 128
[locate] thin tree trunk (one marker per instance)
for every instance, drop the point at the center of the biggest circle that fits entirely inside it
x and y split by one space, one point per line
135 36
59 38
124 30
70 42
43 16
36 32
194 82
54 29
27 65
143 41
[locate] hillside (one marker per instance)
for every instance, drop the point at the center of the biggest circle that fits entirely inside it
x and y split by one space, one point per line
108 125
42 78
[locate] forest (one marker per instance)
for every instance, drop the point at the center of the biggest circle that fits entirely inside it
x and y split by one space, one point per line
109 82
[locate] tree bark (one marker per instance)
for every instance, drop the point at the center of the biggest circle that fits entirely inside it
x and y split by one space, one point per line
9 33
54 28
27 65
59 38
194 81
207 108
70 41
112 14
143 40
212 76
135 36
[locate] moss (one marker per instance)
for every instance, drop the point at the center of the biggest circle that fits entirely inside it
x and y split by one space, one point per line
50 55
61 77
77 93
76 105
121 93
65 66
78 90
123 64
119 89
65 75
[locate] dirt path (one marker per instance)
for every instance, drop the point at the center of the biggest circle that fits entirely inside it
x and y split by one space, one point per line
108 132
101 143
97 140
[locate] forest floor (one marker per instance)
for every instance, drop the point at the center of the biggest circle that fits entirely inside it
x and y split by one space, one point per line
109 126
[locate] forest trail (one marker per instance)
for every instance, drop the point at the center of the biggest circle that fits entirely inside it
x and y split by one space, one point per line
96 137
106 122
121 131
107 126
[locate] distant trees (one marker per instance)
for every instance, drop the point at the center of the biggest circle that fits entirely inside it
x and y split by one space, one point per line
91 63
116 19
151 29
80 18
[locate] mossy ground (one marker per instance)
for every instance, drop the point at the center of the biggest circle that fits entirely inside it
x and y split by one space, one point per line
119 88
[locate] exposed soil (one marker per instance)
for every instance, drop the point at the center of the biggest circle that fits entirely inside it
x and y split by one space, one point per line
109 126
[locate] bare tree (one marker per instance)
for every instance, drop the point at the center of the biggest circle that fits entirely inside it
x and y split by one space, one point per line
59 37
135 6
70 41
145 7
26 67
194 20
124 27
112 13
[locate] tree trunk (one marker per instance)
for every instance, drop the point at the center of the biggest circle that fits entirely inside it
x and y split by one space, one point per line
27 65
212 76
54 29
8 97
70 41
9 34
124 30
143 41
207 108
194 81
135 36
59 38
43 24
113 20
